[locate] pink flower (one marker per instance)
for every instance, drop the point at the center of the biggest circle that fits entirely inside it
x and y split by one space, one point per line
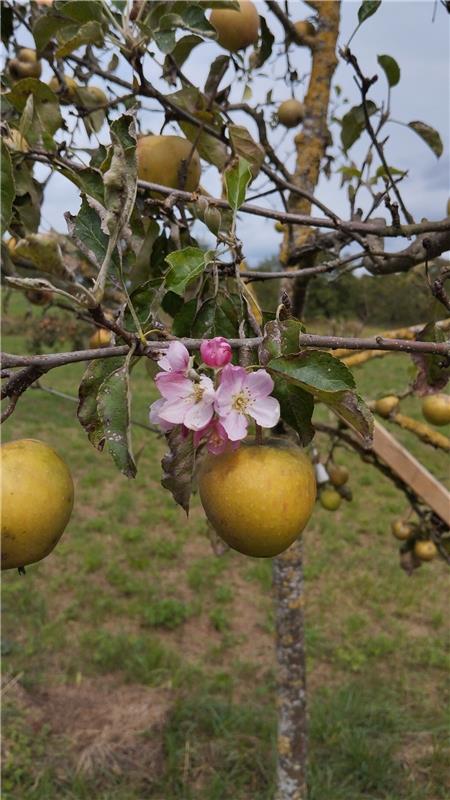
186 402
215 352
216 438
242 395
155 419
175 359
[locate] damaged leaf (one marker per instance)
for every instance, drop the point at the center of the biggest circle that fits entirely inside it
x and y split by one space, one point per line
178 466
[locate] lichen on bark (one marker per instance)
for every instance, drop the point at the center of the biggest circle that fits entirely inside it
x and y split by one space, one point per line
311 142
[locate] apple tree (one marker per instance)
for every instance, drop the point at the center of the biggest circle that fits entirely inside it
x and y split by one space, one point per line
130 104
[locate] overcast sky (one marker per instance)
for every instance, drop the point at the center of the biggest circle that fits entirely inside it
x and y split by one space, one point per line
403 29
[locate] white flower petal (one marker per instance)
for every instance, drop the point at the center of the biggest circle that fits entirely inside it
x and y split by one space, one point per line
265 412
173 385
259 383
175 410
235 424
198 416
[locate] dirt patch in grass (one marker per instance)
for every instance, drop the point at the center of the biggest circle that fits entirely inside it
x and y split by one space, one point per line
104 726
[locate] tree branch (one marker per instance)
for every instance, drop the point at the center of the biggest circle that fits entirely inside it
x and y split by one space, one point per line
386 263
305 340
347 226
364 86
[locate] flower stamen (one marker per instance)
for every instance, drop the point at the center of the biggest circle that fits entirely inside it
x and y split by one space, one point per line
198 393
241 401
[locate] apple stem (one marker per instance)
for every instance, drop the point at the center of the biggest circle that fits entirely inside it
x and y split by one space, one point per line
258 434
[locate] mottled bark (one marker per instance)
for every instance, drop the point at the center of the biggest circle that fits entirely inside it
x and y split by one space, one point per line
292 742
311 142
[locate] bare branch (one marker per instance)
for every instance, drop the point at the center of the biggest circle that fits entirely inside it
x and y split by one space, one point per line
347 226
364 85
386 263
51 360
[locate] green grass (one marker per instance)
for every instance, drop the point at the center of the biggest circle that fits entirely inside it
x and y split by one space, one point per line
134 596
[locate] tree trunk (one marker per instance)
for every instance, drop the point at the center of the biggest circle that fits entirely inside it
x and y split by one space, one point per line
311 145
312 141
292 743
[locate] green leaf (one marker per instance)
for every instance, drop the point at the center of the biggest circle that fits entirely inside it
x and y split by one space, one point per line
391 69
191 17
432 372
40 106
142 271
381 171
353 123
121 178
46 26
315 371
218 316
114 413
330 382
179 54
348 173
165 40
89 180
429 135
296 408
178 466
8 187
351 408
97 371
85 229
89 33
184 319
216 72
209 148
82 12
237 178
185 266
244 145
367 9
280 339
27 206
264 50
142 299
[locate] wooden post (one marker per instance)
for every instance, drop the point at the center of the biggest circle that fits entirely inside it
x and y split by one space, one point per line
422 482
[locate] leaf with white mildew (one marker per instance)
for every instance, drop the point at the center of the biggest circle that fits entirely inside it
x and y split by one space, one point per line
114 413
97 371
178 466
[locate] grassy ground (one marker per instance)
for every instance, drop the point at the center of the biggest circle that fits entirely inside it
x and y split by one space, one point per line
140 665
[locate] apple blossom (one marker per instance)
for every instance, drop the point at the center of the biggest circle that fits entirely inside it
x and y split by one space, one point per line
215 352
154 417
187 402
175 359
216 437
242 395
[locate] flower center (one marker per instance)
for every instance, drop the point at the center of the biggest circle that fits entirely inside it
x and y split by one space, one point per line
198 393
241 401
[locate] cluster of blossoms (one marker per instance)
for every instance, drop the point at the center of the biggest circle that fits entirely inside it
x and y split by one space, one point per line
217 411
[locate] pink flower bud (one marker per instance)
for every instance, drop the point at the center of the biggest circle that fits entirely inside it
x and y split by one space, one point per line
215 352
